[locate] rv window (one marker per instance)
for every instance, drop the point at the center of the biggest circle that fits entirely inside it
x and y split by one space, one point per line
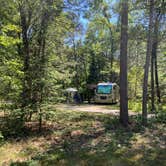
104 89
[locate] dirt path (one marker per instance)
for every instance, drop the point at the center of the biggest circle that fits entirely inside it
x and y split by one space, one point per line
106 109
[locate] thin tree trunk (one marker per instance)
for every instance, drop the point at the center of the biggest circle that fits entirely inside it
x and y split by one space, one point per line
154 61
42 63
146 70
136 76
112 42
154 54
76 65
112 49
123 65
157 81
40 119
152 81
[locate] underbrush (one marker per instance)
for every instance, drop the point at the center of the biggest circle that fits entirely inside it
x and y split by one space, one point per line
136 106
75 138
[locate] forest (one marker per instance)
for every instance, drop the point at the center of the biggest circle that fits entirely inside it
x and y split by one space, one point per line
48 47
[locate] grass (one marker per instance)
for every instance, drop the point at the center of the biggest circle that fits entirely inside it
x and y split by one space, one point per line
86 139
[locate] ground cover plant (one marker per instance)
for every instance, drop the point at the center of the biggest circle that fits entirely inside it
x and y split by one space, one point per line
78 138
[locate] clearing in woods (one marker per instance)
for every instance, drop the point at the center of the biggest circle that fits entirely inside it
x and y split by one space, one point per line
93 108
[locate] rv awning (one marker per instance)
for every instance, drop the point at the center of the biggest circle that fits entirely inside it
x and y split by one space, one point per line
71 90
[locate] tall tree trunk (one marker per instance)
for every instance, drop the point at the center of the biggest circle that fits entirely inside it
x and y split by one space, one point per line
157 80
111 40
112 49
76 81
154 55
123 65
26 93
136 76
146 69
154 63
41 64
152 81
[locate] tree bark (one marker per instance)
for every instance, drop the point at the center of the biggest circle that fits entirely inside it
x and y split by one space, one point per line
111 40
26 93
123 65
152 80
154 61
154 55
136 76
146 69
157 81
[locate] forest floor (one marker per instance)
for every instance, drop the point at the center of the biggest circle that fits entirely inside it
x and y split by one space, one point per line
112 109
77 138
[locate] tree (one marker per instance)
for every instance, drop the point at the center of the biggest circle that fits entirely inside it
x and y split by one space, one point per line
159 13
154 57
123 64
107 17
25 17
154 67
146 69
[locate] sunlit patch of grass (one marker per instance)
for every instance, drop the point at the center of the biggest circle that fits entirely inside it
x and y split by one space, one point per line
28 151
23 150
10 152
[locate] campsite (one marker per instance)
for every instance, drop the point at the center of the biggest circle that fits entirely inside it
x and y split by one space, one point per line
82 83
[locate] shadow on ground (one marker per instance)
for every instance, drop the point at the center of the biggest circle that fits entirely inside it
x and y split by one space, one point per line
94 139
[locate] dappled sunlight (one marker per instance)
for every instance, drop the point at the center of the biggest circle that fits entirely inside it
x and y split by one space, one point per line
82 83
112 109
86 139
20 150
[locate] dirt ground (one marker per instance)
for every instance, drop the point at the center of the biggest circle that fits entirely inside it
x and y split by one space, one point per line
96 108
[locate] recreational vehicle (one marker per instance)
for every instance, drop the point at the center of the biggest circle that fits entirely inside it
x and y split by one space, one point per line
106 93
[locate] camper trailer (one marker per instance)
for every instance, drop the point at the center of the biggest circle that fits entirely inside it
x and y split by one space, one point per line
106 93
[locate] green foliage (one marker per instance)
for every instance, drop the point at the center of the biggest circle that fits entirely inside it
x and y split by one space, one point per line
27 163
12 125
48 46
135 105
11 76
161 117
9 35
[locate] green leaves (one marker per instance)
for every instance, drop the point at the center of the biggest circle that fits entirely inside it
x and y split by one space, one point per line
9 35
11 28
10 77
7 41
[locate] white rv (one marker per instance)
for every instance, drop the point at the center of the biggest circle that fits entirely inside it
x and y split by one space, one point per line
106 93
